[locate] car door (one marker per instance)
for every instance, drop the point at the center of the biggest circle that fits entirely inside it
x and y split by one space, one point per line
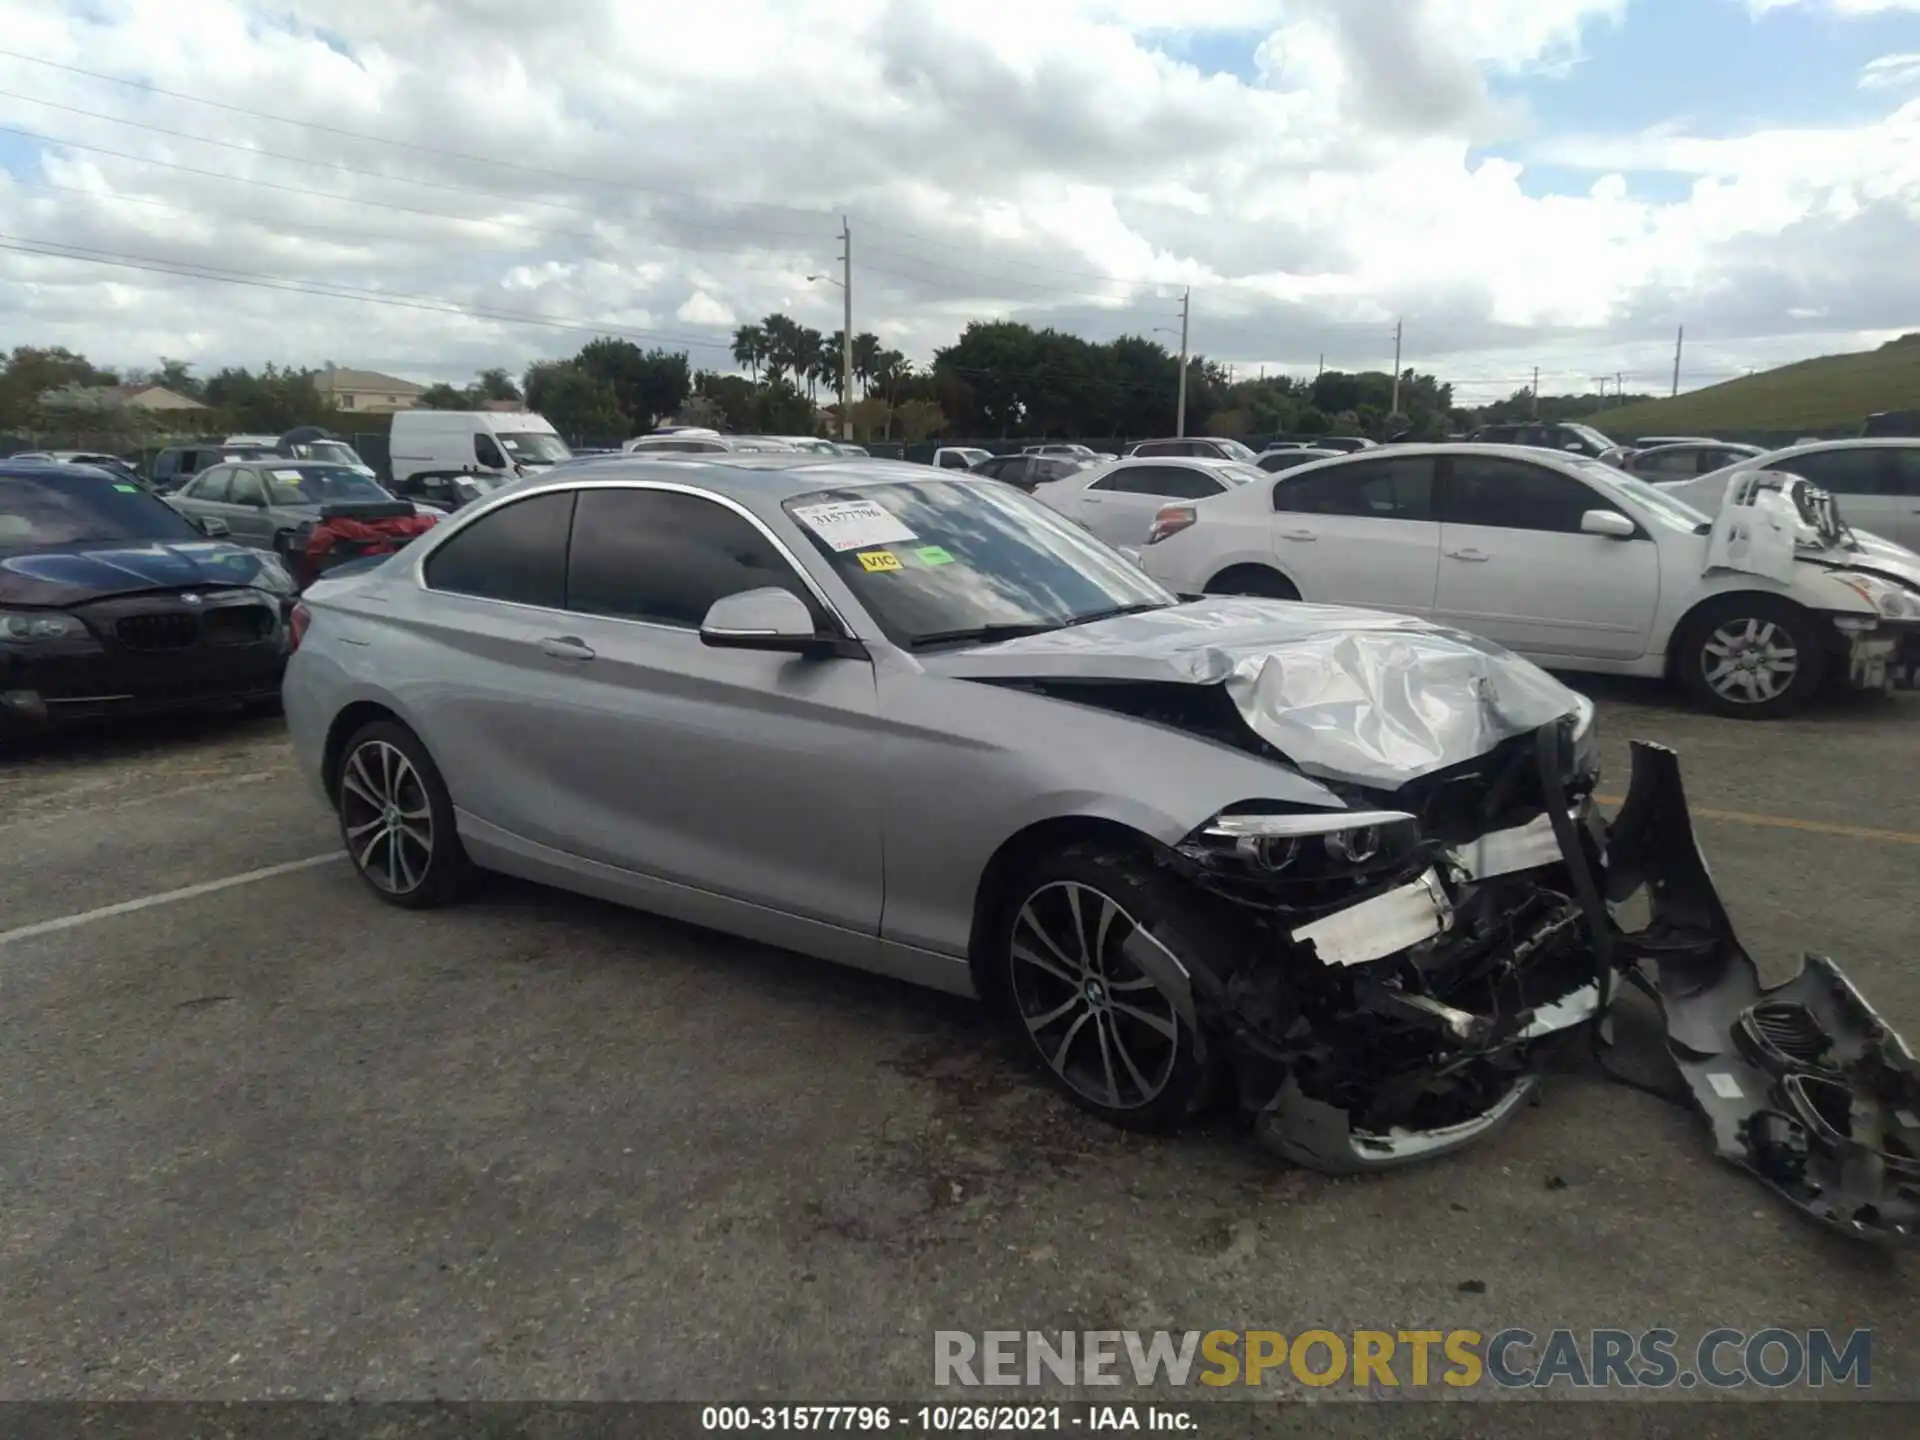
246 508
1360 532
1866 481
743 773
1906 489
1516 567
204 496
1119 507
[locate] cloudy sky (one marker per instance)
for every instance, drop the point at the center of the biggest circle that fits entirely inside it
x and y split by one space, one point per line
1552 183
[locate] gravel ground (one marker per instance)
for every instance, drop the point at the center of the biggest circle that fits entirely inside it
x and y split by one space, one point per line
278 1140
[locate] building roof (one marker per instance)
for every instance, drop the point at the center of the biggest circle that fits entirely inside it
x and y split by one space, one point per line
340 378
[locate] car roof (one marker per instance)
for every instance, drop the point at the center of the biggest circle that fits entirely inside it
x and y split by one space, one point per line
764 475
1205 462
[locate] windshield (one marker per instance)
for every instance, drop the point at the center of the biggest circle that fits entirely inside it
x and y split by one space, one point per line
335 452
533 447
1241 474
1592 436
323 485
74 506
1664 507
934 558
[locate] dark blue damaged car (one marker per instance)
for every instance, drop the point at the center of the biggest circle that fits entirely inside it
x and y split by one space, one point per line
112 603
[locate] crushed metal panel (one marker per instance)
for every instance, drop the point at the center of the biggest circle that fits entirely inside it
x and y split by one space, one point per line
1353 695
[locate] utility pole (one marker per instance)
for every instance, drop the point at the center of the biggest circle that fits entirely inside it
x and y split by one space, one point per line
1678 345
1536 392
1396 366
846 330
1619 388
1323 366
1180 410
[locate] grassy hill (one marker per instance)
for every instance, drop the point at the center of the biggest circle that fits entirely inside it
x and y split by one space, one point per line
1833 392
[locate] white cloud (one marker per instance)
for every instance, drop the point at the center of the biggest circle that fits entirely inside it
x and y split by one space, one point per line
1849 8
700 308
1890 72
666 170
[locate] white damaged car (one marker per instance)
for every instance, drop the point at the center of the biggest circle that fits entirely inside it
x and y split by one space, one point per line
1573 564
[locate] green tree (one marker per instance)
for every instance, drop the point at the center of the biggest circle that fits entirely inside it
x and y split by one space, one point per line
648 385
780 409
918 419
442 396
32 370
1312 421
575 401
495 385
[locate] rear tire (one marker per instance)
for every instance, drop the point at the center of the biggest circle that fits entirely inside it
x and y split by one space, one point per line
1750 656
1253 580
396 819
1103 1032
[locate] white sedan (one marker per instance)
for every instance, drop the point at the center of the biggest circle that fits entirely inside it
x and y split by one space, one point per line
1876 481
1118 501
1574 564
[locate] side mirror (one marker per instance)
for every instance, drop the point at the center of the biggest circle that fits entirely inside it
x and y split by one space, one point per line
766 619
211 526
1610 523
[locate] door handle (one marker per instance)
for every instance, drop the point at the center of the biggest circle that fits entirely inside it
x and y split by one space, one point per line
1474 556
1089 499
566 647
1298 535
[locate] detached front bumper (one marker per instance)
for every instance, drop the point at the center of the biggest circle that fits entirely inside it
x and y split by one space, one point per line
1803 1084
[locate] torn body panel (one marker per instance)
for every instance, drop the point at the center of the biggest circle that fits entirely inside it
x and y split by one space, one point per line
1411 1023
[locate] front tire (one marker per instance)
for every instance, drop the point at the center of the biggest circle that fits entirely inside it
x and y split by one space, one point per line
396 819
1253 580
1104 1033
1751 657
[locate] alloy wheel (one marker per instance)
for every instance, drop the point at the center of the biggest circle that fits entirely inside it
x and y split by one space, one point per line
386 817
1097 1020
1750 661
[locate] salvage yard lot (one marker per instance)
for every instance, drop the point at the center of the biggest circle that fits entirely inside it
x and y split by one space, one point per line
278 1139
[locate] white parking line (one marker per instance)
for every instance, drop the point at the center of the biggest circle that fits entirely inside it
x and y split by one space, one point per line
166 897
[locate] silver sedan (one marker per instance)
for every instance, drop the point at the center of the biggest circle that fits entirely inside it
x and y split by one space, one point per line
1341 865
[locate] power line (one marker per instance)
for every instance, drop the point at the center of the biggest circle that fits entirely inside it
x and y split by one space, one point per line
192 270
544 172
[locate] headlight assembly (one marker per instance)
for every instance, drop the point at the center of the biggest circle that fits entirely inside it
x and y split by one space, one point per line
30 625
1887 597
1302 846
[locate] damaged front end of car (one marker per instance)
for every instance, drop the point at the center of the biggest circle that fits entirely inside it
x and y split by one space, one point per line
1431 947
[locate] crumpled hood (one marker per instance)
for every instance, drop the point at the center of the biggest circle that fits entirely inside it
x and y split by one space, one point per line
76 574
1355 695
1770 534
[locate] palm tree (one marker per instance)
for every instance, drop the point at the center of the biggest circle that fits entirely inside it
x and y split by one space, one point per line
807 347
866 355
831 360
781 351
750 348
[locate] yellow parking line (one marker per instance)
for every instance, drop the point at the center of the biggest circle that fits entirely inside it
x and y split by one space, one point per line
1788 822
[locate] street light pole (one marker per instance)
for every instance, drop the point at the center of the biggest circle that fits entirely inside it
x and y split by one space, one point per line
846 330
1396 365
1180 408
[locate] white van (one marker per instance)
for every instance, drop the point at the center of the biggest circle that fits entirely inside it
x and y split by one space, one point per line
486 448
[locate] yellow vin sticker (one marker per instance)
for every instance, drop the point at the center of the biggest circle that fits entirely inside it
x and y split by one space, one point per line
879 560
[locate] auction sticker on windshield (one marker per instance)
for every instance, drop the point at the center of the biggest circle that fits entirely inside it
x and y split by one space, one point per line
871 560
852 524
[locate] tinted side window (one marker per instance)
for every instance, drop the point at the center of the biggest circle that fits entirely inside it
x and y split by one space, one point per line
485 452
1673 465
665 557
210 484
247 489
1843 472
517 553
1513 495
1906 469
1398 489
